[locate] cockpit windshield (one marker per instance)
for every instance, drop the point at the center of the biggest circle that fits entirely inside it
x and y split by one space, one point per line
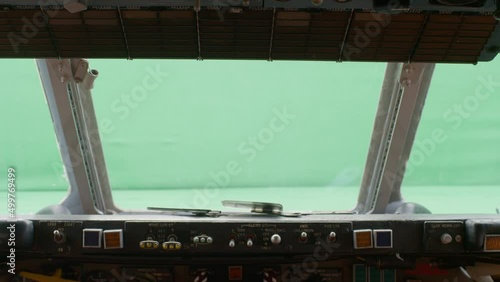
190 134
455 161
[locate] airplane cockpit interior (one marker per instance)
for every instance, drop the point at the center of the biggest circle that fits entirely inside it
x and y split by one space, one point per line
250 140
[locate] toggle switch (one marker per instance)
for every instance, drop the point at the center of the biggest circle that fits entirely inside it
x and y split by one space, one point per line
59 237
303 237
332 237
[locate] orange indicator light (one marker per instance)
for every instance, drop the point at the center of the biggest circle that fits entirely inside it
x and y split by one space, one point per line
363 239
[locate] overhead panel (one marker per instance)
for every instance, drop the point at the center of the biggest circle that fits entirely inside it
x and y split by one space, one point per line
252 33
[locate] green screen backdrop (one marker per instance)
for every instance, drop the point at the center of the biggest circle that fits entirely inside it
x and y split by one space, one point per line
190 134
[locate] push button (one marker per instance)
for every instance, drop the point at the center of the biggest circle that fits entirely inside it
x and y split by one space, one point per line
235 273
363 239
383 238
92 238
113 239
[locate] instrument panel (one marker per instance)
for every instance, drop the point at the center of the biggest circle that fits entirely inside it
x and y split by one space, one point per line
247 248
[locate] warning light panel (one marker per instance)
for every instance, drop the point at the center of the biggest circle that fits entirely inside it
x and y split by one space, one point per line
235 273
359 273
113 239
389 275
363 239
374 274
492 243
383 238
92 238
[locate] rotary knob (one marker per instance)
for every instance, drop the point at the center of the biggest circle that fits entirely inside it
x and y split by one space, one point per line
249 242
446 238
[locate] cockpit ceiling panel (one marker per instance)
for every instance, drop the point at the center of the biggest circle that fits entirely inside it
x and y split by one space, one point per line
251 33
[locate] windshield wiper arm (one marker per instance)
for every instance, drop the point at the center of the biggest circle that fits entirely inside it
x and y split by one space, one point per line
197 212
257 207
260 207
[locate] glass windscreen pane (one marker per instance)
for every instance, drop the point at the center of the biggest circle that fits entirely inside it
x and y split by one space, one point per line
189 134
454 166
27 141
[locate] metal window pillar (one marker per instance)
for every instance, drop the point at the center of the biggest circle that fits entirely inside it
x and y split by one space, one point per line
67 84
402 98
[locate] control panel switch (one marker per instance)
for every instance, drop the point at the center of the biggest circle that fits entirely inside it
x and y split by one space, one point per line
149 244
249 242
232 243
203 240
303 237
332 237
363 239
446 238
235 273
113 239
492 243
276 239
382 238
59 237
92 238
172 246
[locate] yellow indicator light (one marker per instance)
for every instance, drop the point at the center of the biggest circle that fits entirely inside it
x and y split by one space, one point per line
363 239
178 246
492 243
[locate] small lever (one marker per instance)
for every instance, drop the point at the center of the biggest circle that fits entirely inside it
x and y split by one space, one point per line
59 237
